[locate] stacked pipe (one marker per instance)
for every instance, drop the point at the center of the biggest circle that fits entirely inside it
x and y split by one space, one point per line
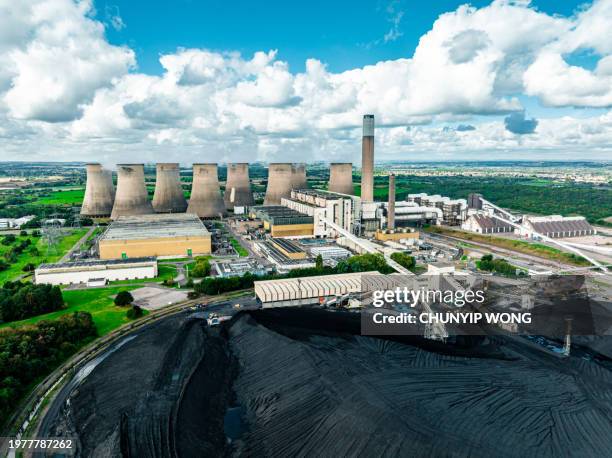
131 197
280 182
341 178
238 186
99 192
168 196
206 200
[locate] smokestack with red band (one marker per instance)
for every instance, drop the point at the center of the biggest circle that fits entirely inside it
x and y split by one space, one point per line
367 159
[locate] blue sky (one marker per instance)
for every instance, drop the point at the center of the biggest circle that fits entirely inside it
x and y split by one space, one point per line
197 81
344 34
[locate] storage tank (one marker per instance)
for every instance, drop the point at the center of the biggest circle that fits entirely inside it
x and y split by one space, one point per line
131 197
99 192
168 196
341 178
238 187
280 182
206 200
298 179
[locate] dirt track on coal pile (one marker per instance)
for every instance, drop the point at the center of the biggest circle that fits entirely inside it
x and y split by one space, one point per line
308 391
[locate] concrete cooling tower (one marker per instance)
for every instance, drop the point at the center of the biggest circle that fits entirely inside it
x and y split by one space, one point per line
341 178
99 192
238 187
298 179
168 197
367 159
131 197
280 182
206 200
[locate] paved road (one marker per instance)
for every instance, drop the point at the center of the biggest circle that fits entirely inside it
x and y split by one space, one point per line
77 245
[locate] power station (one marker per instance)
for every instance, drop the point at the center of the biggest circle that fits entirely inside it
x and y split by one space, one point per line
341 178
131 197
280 182
238 186
168 196
206 200
99 192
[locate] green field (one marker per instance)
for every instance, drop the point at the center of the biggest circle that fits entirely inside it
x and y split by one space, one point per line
70 197
97 301
15 269
242 252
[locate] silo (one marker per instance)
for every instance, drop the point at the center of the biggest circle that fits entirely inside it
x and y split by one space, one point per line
99 192
168 196
341 177
206 200
280 181
367 159
298 178
238 187
131 197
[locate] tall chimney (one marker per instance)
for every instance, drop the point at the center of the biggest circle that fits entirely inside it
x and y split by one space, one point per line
206 200
168 196
367 159
341 178
280 181
238 187
99 192
298 179
131 197
391 205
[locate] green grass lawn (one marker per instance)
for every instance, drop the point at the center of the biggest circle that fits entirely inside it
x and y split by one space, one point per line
97 301
70 197
239 248
15 269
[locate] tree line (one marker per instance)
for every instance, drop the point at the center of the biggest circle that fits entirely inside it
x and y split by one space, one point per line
23 300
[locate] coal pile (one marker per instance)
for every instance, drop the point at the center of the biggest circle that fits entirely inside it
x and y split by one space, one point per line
304 387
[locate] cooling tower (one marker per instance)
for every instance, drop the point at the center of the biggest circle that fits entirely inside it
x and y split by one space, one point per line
131 197
367 159
206 200
280 182
341 178
391 204
99 192
298 179
238 187
168 196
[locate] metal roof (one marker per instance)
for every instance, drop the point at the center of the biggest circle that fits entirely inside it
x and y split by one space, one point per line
155 226
95 263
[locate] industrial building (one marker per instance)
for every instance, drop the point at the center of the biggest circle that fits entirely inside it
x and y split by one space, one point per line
454 211
283 262
95 272
331 255
283 221
484 224
289 249
99 192
341 209
168 196
181 234
556 226
308 290
15 223
238 268
131 197
238 187
206 200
